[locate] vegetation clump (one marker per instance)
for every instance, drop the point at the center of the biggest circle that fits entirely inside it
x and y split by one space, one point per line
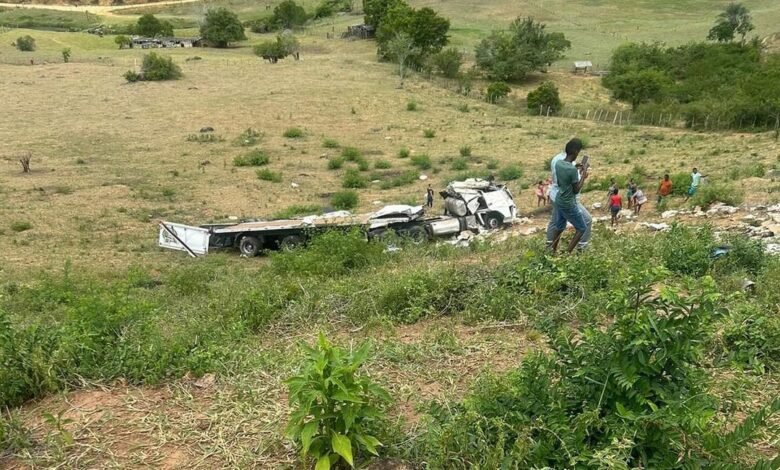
221 27
344 200
25 43
155 68
496 92
293 133
268 175
149 26
255 158
353 180
273 51
544 98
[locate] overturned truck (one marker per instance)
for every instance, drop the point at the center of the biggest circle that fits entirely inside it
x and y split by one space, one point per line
472 204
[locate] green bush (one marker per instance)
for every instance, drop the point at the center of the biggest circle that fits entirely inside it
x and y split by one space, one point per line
544 97
21 226
411 106
334 163
334 408
709 194
293 133
149 26
255 158
496 92
382 165
220 27
459 164
510 172
248 138
297 211
132 76
405 178
25 43
447 62
745 254
492 164
351 154
289 15
330 254
429 133
344 200
465 151
66 53
751 336
421 161
403 152
330 144
156 67
268 175
353 180
687 250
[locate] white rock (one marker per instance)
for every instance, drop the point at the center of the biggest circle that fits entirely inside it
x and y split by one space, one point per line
376 181
669 214
772 248
596 205
423 177
295 185
388 138
377 203
775 208
232 217
656 227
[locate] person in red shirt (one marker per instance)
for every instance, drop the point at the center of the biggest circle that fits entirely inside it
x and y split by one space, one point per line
664 189
615 205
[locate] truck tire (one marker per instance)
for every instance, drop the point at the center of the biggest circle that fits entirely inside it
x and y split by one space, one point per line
416 234
493 221
249 246
290 242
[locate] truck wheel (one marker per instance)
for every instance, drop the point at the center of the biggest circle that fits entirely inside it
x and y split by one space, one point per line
493 221
290 242
249 247
416 234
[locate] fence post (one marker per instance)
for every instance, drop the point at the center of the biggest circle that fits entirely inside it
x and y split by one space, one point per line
541 109
548 111
615 120
587 115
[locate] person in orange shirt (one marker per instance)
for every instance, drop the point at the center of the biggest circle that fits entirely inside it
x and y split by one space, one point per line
664 188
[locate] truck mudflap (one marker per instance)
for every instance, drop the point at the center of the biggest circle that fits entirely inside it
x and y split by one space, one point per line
193 240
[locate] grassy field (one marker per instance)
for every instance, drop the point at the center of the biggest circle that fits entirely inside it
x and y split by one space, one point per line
78 254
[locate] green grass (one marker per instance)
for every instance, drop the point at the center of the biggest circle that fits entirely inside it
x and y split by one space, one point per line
293 133
255 158
297 210
52 20
268 175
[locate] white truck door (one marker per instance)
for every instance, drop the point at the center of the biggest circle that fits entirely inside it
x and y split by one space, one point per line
193 240
501 201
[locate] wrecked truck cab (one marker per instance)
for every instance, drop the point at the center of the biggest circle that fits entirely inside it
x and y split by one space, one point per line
492 205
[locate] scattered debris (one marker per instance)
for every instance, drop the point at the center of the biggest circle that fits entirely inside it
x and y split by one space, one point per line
721 209
423 177
377 203
294 185
596 205
656 227
669 214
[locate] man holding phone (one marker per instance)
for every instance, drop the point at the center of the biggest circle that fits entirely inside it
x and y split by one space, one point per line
569 208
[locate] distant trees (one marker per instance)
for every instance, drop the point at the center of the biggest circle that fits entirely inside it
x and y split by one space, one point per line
400 48
427 30
375 10
289 15
447 62
543 98
496 92
148 25
25 43
732 21
221 27
524 48
639 86
283 46
328 7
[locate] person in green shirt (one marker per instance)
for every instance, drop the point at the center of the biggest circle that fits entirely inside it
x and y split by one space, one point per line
695 181
566 209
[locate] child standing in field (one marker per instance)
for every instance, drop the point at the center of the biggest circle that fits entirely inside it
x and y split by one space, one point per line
429 196
547 187
639 199
664 189
541 197
615 206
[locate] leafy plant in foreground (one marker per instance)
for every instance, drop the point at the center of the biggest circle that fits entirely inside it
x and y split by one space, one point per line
335 407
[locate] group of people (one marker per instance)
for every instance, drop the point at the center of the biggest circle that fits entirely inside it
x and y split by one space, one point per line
563 190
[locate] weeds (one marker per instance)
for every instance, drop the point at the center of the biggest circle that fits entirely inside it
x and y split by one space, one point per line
353 180
205 138
411 106
421 161
344 200
268 175
330 144
510 173
335 163
21 226
297 211
351 154
293 133
405 178
429 133
254 158
382 165
403 152
465 151
250 137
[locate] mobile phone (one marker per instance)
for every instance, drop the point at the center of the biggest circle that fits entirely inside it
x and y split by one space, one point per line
585 162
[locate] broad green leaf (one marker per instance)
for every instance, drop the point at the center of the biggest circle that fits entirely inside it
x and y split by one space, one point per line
342 446
323 463
339 395
369 442
306 434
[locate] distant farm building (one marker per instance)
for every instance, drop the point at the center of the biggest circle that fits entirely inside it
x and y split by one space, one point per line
156 43
583 66
360 31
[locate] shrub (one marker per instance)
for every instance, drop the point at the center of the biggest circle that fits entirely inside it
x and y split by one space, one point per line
25 43
20 226
745 254
687 250
66 53
447 62
330 144
463 108
297 211
273 51
426 31
403 152
751 336
411 106
709 194
496 92
221 26
405 178
268 175
351 154
123 41
421 161
492 164
289 15
544 97
459 164
353 180
334 163
344 200
362 164
205 138
132 76
510 172
334 408
293 133
248 138
465 151
255 158
382 165
429 133
330 254
156 67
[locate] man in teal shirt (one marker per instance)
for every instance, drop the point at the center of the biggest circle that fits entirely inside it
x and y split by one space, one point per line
695 181
566 209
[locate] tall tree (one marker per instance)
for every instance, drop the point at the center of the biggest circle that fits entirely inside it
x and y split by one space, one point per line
427 30
735 19
375 10
148 25
221 27
400 49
